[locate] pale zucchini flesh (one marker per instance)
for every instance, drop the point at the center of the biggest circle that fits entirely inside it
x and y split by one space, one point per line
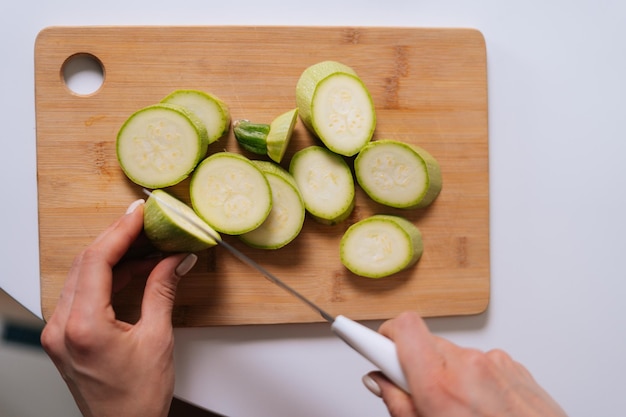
280 133
286 218
336 106
212 111
230 193
398 174
160 145
168 231
380 245
325 182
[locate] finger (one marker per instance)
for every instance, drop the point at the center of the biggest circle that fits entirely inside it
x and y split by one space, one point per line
422 355
414 342
94 269
52 337
121 236
160 292
398 402
66 297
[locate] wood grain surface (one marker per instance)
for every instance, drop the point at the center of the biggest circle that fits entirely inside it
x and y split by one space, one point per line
429 87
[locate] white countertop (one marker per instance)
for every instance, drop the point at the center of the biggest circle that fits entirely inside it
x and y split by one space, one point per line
557 84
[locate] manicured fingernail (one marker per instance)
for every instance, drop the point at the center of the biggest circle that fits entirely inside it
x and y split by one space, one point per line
133 206
371 385
186 264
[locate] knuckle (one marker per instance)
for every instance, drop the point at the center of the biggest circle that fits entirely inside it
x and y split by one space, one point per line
79 334
409 317
51 339
88 255
499 357
476 359
165 292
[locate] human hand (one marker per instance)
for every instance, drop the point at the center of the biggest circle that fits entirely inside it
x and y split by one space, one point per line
113 368
448 380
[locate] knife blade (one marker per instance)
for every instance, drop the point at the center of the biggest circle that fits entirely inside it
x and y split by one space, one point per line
373 346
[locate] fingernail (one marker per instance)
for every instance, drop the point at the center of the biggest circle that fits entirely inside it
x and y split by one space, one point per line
133 206
186 264
371 385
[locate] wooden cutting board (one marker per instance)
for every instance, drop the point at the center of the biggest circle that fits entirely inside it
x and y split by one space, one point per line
429 87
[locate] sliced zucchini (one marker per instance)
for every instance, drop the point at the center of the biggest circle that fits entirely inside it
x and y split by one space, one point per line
159 145
398 174
263 139
285 221
325 182
169 231
380 245
230 193
336 106
280 133
212 111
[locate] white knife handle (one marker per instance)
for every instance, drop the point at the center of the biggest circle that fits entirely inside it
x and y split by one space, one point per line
373 346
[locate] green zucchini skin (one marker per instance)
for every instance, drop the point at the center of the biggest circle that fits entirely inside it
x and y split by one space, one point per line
267 139
251 136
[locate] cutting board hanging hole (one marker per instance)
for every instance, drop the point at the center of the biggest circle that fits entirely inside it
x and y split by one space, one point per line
83 74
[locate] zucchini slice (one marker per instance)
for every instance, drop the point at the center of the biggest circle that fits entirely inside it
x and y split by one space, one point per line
160 145
170 232
286 219
398 174
212 111
336 106
325 182
381 245
280 133
230 193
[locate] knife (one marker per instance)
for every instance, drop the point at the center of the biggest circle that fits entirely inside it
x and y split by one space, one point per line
373 346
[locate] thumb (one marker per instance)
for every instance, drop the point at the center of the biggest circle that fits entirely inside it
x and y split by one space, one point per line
398 402
160 292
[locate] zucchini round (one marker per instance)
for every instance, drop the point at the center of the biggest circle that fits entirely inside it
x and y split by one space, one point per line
398 174
336 106
230 193
286 219
160 145
325 182
381 245
212 111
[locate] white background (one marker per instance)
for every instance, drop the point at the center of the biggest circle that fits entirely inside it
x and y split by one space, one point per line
558 189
